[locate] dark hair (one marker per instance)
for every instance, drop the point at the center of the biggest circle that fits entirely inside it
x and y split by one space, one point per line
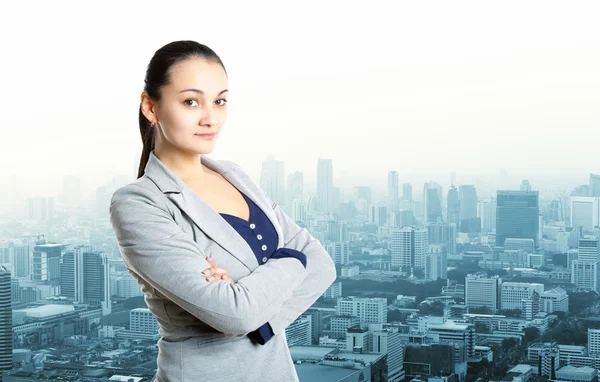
157 75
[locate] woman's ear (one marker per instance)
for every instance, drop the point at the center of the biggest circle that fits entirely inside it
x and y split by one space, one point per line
148 107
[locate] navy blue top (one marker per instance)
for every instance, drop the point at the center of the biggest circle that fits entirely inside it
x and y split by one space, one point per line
261 236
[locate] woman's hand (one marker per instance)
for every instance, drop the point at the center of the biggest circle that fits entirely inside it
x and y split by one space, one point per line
216 273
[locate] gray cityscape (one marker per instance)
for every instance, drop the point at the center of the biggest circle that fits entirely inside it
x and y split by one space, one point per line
432 284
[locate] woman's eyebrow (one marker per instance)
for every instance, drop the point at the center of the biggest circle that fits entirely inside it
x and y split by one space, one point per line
200 91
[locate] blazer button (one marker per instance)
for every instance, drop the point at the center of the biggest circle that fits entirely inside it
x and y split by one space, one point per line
264 247
252 225
264 259
259 237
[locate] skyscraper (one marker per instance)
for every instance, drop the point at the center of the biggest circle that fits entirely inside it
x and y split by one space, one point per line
517 215
325 185
272 179
432 202
6 339
46 261
407 192
393 191
453 215
594 184
409 247
585 212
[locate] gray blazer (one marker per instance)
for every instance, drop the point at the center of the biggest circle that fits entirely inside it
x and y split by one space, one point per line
164 231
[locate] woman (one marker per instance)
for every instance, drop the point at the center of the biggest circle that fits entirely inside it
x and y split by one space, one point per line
221 266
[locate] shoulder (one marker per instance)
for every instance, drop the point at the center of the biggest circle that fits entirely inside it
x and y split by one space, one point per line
141 190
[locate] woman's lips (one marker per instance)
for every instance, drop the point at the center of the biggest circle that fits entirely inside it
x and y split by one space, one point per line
206 136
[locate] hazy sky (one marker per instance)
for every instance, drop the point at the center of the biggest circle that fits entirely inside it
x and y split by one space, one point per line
423 88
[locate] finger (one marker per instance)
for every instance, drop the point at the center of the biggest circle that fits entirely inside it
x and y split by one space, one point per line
211 261
227 278
219 271
209 271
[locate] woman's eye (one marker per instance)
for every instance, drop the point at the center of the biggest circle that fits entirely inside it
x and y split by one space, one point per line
224 101
190 102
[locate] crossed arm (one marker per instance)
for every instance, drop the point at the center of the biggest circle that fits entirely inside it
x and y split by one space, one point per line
162 254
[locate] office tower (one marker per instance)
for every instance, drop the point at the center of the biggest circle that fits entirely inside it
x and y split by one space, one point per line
432 202
387 340
368 310
462 336
357 339
299 332
19 258
530 306
525 185
453 214
393 191
272 179
549 361
594 342
468 201
72 279
298 211
378 214
517 215
295 187
97 281
405 218
513 292
339 252
325 185
46 261
481 291
594 185
407 192
341 323
6 338
40 208
363 192
409 246
333 231
585 271
486 212
555 211
585 212
436 263
444 234
143 321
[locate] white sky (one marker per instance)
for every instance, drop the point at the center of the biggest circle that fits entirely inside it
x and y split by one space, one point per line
423 88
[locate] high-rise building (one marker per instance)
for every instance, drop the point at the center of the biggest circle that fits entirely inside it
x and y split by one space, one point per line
393 191
517 216
387 340
46 262
272 179
96 269
594 342
407 192
585 212
594 184
143 321
453 215
368 310
481 291
299 332
6 337
432 202
378 214
40 208
468 201
585 271
325 185
339 252
409 246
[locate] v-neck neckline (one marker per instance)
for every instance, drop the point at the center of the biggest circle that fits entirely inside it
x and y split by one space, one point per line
249 211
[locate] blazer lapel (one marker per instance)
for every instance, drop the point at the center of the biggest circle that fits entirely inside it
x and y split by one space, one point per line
203 215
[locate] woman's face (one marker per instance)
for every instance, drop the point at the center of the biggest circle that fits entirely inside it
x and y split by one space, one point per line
194 102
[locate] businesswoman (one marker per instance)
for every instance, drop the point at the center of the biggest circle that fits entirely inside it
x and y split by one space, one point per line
222 267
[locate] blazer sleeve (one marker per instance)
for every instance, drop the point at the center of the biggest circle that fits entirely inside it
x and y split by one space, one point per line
319 265
160 252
